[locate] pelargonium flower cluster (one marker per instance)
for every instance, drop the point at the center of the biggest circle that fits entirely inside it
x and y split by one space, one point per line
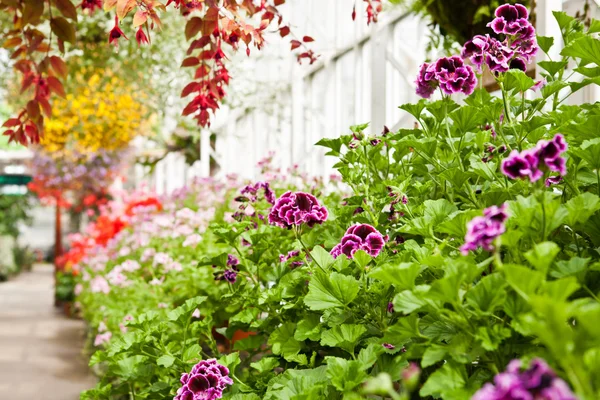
514 52
450 74
250 192
206 381
359 237
538 382
532 163
482 231
297 208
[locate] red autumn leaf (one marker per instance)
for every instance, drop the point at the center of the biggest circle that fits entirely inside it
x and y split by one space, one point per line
190 62
190 88
193 26
295 44
46 107
56 87
278 2
307 39
284 31
11 123
63 29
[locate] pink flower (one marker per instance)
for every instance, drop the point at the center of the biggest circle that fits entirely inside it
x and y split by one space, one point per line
102 338
192 240
359 237
99 285
295 209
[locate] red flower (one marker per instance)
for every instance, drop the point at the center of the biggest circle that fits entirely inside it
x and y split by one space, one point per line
141 37
116 33
147 202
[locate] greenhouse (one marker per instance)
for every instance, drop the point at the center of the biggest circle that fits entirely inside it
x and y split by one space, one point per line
300 199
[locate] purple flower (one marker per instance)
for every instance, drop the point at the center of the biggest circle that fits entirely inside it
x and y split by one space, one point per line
538 382
510 19
232 260
553 180
252 191
389 346
531 163
230 275
390 307
294 209
359 237
206 381
426 81
454 76
482 231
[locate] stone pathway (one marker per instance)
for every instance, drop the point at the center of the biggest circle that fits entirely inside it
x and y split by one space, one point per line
40 349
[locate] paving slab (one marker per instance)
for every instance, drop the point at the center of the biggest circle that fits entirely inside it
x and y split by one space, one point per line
40 349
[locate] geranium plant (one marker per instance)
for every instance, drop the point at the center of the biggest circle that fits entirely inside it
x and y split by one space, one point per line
460 261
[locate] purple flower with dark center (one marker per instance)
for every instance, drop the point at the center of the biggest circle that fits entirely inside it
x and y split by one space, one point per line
510 19
498 56
553 180
520 165
475 50
295 209
426 81
230 275
454 76
252 191
546 155
359 237
518 63
538 382
206 381
389 346
482 231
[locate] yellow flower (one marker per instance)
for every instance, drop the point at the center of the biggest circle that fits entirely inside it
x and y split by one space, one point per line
98 113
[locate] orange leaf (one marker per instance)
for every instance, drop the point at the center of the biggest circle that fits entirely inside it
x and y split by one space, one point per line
66 8
124 7
139 18
190 62
63 29
56 86
59 66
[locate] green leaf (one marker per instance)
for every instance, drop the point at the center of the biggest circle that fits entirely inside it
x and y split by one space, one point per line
433 354
368 355
582 207
335 290
467 119
252 342
345 375
191 353
590 152
266 364
282 340
488 294
308 328
405 329
517 80
165 361
231 360
380 385
576 266
345 336
437 211
414 109
409 301
545 43
402 275
561 289
523 280
362 258
586 48
542 255
445 379
553 67
321 257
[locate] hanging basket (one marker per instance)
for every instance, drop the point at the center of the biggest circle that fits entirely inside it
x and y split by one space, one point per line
460 20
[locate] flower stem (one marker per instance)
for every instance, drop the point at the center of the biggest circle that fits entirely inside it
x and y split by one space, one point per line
505 101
